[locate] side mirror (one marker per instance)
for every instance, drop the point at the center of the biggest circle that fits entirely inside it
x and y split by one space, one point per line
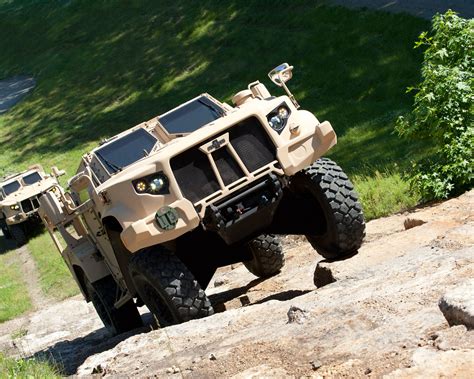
56 172
79 182
281 74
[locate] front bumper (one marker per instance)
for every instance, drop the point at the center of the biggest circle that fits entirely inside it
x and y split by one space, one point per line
21 217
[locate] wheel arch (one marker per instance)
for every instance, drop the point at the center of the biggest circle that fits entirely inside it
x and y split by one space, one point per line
113 229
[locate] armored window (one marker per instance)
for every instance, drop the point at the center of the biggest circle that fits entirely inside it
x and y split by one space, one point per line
126 150
191 116
32 178
11 187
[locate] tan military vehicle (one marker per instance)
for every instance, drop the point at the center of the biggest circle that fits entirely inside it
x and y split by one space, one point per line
155 210
19 200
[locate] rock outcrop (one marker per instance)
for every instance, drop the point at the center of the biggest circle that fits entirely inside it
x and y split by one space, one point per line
457 305
377 316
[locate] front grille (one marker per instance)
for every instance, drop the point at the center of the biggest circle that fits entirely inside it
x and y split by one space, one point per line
29 204
228 167
194 174
193 171
252 143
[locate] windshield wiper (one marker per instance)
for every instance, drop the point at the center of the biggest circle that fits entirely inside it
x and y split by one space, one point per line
109 163
219 112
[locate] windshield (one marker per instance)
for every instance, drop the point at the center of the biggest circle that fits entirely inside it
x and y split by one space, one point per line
11 187
191 116
32 178
126 150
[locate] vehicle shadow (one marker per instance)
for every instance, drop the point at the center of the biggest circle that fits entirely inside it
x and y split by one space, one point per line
6 245
218 300
34 229
69 355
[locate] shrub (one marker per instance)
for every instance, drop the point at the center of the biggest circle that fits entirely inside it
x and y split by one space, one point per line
443 108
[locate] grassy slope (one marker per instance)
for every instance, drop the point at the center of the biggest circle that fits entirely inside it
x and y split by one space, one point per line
14 298
55 279
104 66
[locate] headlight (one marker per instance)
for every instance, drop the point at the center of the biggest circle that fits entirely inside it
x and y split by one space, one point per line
278 118
155 184
14 207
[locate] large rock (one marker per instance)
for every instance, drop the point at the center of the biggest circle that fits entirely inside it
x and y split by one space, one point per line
457 304
430 363
379 316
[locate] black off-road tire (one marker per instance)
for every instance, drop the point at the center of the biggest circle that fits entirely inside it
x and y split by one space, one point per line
4 227
325 181
268 258
18 234
103 296
167 287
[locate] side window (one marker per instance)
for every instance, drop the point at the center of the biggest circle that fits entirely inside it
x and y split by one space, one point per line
99 174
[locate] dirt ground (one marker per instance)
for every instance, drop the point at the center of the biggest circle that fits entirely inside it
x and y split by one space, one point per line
375 314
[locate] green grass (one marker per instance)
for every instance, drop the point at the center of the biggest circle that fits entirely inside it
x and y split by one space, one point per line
384 193
26 368
14 298
105 66
55 279
102 67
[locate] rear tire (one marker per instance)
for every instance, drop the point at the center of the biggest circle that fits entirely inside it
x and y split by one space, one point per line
326 183
103 296
167 287
18 234
268 258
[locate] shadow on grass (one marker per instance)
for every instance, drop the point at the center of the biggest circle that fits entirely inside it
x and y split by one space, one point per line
102 68
33 229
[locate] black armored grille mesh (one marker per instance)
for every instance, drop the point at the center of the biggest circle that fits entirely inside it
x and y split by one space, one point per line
228 167
194 173
252 144
27 206
35 203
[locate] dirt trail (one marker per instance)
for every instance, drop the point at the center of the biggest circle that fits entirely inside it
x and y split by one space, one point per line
31 277
377 316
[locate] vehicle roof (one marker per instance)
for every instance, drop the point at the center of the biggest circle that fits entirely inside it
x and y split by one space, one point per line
152 124
12 177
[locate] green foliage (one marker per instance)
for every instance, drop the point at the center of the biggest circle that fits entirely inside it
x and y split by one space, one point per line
26 368
444 108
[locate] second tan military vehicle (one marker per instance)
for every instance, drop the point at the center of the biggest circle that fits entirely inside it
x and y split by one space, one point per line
155 210
19 200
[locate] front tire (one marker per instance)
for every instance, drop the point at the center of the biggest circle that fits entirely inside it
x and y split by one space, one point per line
4 227
18 234
167 287
267 256
326 183
117 320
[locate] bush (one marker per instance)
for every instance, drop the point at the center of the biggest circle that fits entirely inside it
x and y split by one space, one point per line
443 108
